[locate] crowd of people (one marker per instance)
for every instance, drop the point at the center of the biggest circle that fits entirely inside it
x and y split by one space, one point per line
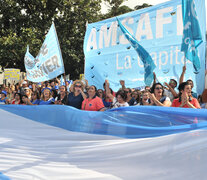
82 96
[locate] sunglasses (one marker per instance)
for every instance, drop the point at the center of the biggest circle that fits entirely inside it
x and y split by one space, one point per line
100 92
173 82
159 88
78 86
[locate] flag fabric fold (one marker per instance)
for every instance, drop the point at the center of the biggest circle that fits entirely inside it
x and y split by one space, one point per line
61 142
192 37
145 57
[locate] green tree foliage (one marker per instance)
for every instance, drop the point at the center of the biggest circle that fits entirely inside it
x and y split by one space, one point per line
25 23
142 6
116 8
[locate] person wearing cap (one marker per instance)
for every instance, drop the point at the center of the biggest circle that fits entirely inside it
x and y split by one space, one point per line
23 86
3 99
46 97
28 92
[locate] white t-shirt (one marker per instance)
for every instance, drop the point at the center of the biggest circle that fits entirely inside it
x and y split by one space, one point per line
169 94
116 104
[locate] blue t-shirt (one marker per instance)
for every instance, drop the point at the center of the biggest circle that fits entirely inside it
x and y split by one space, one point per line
37 101
50 101
194 94
3 101
106 104
75 101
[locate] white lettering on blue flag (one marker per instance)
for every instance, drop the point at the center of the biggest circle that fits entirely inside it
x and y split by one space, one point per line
49 63
159 30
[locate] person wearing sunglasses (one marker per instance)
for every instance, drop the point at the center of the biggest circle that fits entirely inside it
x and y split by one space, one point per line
157 97
77 95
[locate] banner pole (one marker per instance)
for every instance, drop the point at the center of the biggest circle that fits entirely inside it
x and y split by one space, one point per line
84 54
59 46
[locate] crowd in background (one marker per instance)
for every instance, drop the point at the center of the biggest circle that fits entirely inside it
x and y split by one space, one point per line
83 96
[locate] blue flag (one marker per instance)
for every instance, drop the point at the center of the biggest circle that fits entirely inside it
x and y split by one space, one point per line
49 63
145 57
62 83
29 60
191 33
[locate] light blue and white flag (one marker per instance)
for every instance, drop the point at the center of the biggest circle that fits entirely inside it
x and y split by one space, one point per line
29 60
145 57
61 142
62 83
49 63
192 37
159 29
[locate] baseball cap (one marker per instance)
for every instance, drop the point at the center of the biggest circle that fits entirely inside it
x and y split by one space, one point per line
4 92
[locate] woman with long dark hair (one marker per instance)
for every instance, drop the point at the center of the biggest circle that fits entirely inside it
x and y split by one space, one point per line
185 98
157 96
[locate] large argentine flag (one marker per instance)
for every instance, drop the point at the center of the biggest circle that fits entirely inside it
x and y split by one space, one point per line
63 143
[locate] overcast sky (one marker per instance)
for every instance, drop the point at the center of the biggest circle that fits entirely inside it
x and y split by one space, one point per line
133 3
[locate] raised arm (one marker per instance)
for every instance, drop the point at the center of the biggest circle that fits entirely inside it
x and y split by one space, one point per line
171 90
122 83
182 75
108 92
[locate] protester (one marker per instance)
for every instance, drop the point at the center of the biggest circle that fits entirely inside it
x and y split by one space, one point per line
130 100
185 98
136 96
145 100
3 99
93 102
28 92
23 85
100 93
170 90
35 100
76 96
46 97
107 100
190 82
62 96
17 99
157 96
24 100
119 100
